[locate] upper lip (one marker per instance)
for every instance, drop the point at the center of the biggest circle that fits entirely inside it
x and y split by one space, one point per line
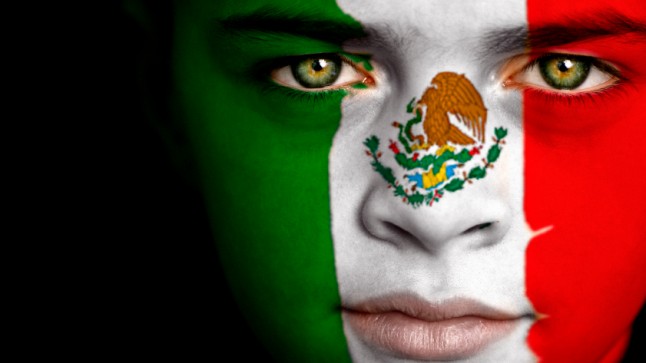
419 308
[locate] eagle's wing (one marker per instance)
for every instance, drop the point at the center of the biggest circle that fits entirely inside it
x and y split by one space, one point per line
459 97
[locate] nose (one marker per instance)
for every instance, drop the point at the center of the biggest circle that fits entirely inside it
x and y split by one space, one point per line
470 220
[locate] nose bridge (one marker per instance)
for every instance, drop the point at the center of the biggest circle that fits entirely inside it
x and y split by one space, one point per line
463 202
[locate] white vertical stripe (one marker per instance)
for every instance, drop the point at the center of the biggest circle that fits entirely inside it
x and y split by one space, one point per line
427 254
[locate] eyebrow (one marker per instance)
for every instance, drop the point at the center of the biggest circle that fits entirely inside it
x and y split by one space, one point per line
572 30
311 23
304 23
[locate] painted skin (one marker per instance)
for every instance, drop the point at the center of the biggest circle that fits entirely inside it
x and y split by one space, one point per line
433 253
265 169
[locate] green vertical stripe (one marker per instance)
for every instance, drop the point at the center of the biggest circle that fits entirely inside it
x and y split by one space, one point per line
262 153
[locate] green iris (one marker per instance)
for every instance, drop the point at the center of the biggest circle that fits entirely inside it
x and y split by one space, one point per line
564 72
317 72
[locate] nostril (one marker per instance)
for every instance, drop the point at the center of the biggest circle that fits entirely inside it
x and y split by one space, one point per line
391 233
478 227
396 234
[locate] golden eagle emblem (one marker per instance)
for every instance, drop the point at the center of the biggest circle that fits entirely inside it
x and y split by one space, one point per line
427 165
450 93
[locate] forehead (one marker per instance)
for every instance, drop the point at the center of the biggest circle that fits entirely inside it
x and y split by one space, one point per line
437 19
403 28
441 16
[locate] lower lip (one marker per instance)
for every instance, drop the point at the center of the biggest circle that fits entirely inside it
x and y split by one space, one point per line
408 337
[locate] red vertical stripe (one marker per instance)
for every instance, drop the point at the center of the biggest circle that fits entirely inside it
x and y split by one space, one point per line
586 177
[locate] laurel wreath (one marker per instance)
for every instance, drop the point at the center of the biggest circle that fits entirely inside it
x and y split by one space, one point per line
414 197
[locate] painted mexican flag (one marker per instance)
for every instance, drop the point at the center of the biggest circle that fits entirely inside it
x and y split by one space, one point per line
423 180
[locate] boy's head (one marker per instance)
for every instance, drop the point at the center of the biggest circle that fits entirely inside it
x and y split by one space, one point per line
425 179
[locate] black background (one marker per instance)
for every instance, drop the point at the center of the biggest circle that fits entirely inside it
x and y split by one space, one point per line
133 271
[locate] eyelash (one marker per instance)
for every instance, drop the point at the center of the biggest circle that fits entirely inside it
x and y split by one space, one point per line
607 95
298 95
265 68
579 98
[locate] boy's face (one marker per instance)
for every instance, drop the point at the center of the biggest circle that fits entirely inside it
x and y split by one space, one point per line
431 180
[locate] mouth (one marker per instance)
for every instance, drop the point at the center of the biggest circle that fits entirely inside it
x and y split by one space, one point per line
406 326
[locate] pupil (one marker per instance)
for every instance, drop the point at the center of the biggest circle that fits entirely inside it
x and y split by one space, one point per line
317 72
318 65
564 72
564 65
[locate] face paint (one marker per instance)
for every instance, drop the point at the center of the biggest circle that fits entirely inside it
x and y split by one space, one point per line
262 153
585 275
434 173
410 272
448 216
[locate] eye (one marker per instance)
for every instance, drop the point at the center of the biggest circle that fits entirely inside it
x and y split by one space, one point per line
319 72
564 73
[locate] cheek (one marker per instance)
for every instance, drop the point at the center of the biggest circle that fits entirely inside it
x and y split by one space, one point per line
586 275
585 175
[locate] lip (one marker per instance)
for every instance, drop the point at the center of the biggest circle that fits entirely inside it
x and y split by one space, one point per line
408 327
